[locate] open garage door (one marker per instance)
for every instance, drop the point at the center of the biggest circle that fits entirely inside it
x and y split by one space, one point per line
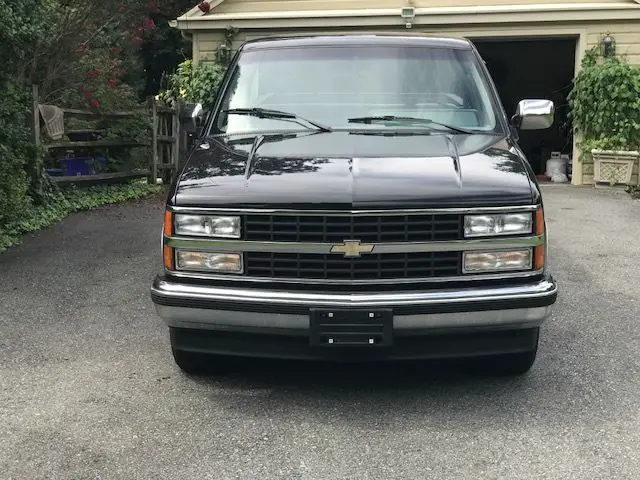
534 68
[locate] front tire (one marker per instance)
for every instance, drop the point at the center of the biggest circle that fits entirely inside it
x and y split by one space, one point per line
195 363
509 364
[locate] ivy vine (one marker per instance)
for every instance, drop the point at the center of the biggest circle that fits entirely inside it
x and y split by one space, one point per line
605 103
224 52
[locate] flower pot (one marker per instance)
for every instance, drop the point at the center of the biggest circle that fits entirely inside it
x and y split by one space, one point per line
614 167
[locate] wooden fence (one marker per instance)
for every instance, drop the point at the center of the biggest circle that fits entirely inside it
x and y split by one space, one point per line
164 140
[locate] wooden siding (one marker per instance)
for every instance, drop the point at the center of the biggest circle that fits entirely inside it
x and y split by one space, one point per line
627 37
243 6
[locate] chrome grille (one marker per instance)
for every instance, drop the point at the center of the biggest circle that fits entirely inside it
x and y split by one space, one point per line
366 228
366 267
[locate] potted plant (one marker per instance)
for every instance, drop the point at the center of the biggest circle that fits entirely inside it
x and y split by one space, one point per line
605 111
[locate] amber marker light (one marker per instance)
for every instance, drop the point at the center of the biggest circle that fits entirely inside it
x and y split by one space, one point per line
168 223
168 231
538 254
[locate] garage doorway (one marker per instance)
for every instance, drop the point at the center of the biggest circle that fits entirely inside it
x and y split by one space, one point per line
534 68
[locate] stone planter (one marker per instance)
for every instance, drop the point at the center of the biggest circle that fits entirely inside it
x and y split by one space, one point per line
614 167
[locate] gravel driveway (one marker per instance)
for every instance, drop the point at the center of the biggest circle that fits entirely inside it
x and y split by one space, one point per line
88 388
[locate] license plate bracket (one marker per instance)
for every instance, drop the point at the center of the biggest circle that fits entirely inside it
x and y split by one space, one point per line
330 327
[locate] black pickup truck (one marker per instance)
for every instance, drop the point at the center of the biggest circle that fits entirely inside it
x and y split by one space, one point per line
352 198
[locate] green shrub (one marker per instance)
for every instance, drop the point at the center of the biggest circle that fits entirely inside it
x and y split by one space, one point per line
15 149
191 83
605 104
67 202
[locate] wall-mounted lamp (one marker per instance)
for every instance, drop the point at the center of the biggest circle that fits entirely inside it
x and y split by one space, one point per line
408 14
608 46
204 7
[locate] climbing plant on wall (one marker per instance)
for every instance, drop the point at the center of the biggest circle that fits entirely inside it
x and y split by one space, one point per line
605 103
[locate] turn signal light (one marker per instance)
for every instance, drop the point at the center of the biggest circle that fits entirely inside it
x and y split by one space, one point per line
538 252
168 223
167 229
168 258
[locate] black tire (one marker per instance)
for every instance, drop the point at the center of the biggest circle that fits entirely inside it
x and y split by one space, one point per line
190 362
508 364
196 363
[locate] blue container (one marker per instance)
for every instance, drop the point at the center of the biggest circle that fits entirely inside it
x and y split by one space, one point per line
75 166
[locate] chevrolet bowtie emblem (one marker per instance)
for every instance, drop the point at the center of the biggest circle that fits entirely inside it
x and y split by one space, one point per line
352 248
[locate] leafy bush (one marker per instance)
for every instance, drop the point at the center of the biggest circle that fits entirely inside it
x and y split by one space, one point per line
634 191
15 148
67 202
605 104
191 83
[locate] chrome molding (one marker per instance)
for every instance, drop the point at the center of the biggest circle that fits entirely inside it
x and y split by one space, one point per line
347 213
239 246
386 281
209 319
167 289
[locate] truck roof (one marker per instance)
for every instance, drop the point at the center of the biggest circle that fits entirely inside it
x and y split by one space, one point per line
357 39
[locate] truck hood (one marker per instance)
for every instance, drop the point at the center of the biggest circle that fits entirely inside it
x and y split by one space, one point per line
349 170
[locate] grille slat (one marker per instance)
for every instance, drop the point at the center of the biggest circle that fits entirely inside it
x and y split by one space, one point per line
373 266
367 228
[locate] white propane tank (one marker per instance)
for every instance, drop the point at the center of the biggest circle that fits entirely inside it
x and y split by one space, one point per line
556 168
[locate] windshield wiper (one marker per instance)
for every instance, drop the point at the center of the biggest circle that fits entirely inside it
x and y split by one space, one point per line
391 118
276 114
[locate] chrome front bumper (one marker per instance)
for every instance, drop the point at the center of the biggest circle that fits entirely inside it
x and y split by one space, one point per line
216 308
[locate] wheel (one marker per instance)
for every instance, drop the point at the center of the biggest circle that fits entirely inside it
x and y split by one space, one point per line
195 363
508 364
190 362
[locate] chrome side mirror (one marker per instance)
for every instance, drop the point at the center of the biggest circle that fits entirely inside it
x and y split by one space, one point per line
533 114
197 115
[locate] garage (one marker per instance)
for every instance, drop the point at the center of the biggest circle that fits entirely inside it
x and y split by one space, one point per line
534 68
532 49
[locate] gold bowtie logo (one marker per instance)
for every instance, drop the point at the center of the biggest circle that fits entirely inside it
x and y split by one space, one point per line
352 248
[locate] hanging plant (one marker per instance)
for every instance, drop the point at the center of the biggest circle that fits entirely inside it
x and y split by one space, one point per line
605 103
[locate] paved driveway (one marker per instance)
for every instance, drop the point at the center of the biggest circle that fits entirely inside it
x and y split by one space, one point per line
88 388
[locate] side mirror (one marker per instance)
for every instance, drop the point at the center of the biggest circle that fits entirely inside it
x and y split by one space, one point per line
198 116
533 115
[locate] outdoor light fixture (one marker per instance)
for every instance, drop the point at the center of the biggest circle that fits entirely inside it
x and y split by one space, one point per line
204 7
608 44
408 13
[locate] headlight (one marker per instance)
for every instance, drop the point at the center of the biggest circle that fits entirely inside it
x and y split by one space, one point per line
209 262
501 224
497 261
207 226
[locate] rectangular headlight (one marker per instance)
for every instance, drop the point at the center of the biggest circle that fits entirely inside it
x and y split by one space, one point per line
207 225
497 261
500 224
209 262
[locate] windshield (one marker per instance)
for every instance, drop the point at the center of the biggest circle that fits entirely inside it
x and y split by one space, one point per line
330 85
